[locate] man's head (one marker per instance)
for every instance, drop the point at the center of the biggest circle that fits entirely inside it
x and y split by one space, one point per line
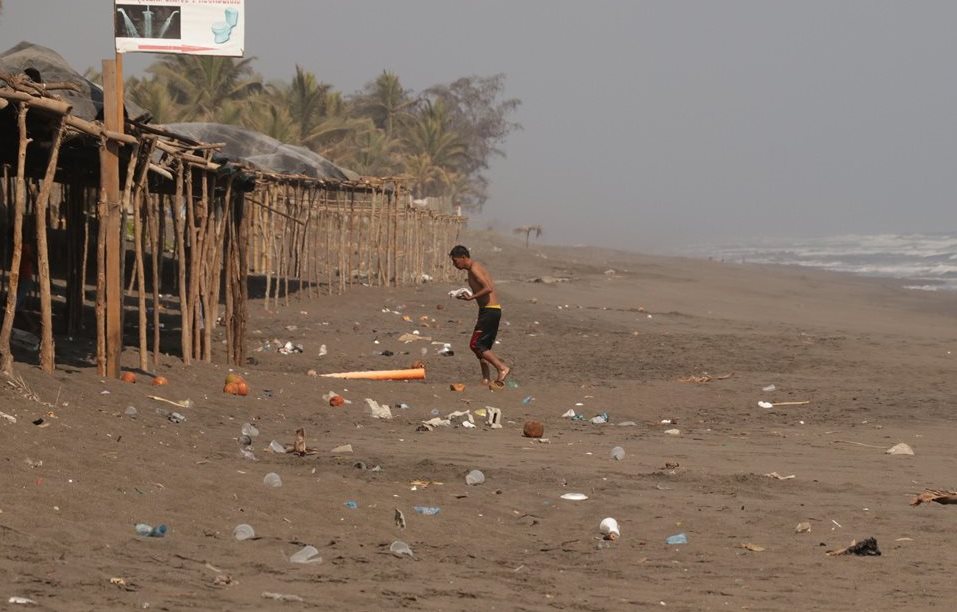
460 257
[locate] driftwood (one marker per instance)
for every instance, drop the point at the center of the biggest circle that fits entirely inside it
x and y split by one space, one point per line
865 548
937 496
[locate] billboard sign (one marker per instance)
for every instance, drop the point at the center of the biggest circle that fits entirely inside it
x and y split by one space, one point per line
194 27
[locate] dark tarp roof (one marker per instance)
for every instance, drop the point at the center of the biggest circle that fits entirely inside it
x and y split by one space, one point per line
87 102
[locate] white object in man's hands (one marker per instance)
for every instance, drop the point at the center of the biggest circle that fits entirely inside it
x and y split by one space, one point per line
455 293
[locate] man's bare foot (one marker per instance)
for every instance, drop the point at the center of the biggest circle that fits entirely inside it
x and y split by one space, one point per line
503 375
486 381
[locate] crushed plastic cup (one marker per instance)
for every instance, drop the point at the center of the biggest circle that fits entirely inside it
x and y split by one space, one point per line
766 405
428 510
243 532
249 430
272 479
609 528
678 538
475 477
574 496
130 411
276 447
618 453
769 388
247 454
401 549
352 505
308 554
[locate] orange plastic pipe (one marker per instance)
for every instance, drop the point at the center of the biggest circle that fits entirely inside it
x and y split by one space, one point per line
409 374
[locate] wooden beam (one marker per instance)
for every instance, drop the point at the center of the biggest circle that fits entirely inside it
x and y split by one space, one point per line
110 180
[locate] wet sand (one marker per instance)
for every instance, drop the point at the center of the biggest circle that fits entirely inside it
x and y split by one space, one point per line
875 362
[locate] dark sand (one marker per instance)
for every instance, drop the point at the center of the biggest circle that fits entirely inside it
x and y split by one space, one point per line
876 363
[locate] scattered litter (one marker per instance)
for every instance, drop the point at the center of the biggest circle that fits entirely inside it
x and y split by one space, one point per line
764 404
244 532
186 403
533 429
618 453
130 411
323 351
22 601
344 449
575 496
399 519
149 531
377 410
705 378
404 374
276 447
407 338
601 419
900 449
936 496
272 479
8 417
352 505
289 348
678 538
673 432
459 387
475 477
569 414
609 528
803 527
281 596
249 430
865 548
751 547
401 549
446 350
427 510
468 425
493 417
777 476
464 291
308 554
769 388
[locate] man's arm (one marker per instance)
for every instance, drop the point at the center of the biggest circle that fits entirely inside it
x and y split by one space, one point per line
484 280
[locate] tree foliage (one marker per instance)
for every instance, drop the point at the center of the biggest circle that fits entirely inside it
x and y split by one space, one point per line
443 138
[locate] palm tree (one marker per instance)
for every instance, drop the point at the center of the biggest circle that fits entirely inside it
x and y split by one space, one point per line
371 152
202 85
433 150
385 102
153 95
527 230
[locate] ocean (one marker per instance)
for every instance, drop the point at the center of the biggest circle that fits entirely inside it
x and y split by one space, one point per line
925 262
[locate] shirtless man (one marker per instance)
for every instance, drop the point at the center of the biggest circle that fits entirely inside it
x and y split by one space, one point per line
489 315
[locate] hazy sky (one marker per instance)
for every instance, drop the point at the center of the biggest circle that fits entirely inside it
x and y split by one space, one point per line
650 125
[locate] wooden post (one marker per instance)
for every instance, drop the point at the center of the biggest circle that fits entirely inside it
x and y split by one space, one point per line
47 362
110 180
19 205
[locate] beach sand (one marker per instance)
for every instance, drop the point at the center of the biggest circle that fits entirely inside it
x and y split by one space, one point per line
875 362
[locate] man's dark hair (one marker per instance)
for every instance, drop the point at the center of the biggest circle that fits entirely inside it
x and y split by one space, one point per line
459 251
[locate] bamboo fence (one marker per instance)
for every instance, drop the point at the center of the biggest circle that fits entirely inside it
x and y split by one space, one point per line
195 230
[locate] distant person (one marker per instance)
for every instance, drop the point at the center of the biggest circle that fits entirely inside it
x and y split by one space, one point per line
489 315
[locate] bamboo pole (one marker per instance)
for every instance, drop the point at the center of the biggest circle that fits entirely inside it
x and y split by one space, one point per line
47 359
19 205
139 203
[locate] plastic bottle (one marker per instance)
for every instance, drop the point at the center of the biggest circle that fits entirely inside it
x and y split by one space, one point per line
475 477
618 453
609 528
243 532
149 531
272 479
